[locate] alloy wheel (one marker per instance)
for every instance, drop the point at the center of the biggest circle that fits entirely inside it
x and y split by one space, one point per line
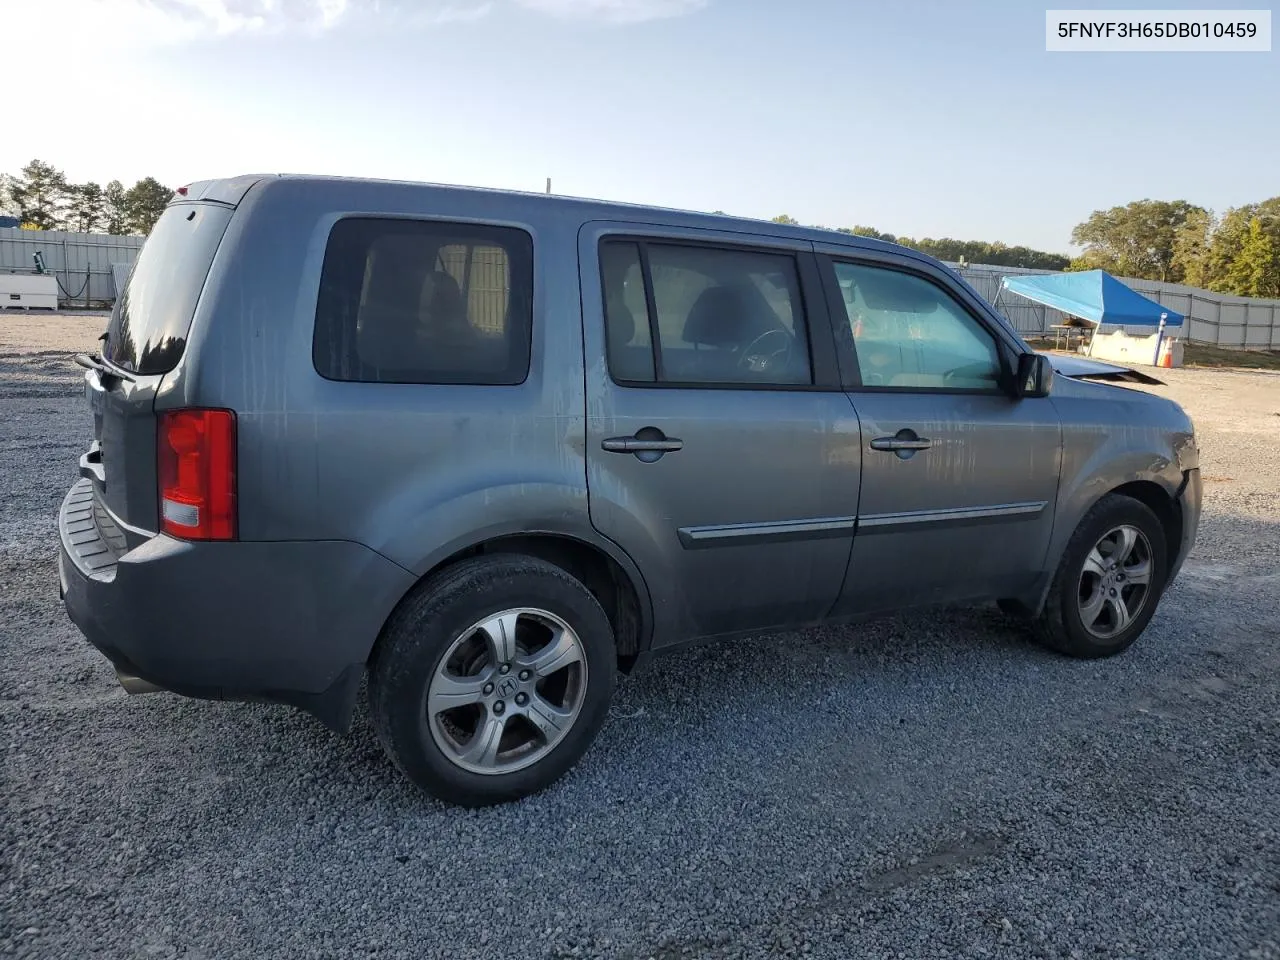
507 691
1115 582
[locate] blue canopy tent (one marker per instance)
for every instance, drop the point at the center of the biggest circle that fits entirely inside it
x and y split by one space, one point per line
1096 297
1093 295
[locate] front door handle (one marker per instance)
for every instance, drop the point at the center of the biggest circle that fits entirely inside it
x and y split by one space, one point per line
905 443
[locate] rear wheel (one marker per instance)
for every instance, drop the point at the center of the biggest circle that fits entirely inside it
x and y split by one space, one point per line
492 679
1108 582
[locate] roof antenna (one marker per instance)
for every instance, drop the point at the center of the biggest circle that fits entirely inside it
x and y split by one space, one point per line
548 184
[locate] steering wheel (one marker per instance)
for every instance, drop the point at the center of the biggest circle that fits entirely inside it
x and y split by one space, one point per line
765 361
972 371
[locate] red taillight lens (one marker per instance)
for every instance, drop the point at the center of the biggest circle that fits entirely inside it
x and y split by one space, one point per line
196 468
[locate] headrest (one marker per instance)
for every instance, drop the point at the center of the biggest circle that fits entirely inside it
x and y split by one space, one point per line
441 306
719 318
621 321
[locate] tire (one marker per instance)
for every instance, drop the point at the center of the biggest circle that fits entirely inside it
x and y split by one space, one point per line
1074 592
442 635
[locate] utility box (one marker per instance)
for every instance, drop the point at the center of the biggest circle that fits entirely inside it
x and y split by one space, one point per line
28 291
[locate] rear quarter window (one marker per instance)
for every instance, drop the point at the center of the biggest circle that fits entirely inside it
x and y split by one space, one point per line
408 301
148 331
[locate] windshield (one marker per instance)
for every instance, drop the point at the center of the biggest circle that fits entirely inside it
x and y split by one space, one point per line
148 329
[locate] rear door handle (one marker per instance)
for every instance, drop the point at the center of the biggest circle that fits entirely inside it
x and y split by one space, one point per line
893 443
637 445
648 444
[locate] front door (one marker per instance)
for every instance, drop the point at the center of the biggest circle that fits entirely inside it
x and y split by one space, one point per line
959 478
722 452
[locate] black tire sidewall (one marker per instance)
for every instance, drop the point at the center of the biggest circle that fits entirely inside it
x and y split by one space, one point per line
1108 514
421 632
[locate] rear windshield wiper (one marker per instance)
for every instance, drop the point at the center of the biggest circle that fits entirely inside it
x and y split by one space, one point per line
94 362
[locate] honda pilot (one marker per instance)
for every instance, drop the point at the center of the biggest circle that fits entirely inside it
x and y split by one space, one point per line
486 449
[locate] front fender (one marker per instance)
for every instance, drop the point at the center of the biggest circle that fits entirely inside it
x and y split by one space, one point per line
1126 455
1113 437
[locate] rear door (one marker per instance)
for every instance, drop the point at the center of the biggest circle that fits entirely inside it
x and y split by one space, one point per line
146 337
722 454
958 477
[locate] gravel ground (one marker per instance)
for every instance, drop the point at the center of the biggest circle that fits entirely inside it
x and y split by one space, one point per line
927 786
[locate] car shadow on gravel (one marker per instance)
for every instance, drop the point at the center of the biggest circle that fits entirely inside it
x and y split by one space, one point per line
683 696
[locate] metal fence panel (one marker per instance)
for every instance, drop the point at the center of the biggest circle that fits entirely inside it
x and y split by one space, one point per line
1212 318
81 262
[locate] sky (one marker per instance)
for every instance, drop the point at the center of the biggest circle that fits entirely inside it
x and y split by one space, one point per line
917 117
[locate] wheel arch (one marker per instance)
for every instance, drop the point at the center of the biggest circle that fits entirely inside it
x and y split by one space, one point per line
1152 491
1164 505
607 573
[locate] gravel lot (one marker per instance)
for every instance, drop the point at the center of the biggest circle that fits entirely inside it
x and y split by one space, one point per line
925 786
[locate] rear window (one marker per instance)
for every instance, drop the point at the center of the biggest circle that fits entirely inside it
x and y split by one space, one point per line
148 330
410 301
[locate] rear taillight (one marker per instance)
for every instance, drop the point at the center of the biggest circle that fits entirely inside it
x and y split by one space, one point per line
196 469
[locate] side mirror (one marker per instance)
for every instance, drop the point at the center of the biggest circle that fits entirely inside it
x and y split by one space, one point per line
1034 377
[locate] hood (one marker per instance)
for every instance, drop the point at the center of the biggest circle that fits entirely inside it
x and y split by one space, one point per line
1083 368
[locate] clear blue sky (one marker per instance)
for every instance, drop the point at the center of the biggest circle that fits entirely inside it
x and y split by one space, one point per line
922 117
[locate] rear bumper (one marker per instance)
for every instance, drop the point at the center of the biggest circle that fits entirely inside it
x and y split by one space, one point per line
290 622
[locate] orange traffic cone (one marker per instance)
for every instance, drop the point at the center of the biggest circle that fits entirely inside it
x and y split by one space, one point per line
1166 355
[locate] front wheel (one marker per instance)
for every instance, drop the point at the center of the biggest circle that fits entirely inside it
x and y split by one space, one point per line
1108 582
492 679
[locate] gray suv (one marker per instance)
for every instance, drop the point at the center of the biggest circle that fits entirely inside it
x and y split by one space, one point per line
488 448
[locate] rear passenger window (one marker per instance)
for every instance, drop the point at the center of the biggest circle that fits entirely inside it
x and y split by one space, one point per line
407 301
719 315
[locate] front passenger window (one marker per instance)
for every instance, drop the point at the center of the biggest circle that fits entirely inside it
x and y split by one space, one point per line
911 334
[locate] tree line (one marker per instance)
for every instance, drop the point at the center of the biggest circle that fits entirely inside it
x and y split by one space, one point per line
41 197
1237 253
953 251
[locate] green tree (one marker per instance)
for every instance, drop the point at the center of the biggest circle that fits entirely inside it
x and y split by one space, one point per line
39 194
1191 247
783 218
1255 272
1225 244
116 213
144 203
1230 236
1136 240
871 232
973 251
88 208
